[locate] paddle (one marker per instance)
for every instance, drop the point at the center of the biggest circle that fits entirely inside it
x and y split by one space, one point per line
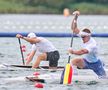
21 51
66 77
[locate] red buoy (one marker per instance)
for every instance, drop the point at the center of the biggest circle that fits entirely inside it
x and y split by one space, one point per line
23 50
36 73
23 46
39 85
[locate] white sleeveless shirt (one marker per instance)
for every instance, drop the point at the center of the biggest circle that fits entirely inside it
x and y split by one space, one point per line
92 47
43 46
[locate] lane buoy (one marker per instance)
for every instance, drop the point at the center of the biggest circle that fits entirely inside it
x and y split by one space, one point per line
23 47
23 50
36 73
39 85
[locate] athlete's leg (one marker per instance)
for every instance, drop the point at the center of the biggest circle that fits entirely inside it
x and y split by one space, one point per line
40 58
79 62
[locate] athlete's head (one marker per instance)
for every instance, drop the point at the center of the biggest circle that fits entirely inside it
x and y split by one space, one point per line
31 35
86 30
85 34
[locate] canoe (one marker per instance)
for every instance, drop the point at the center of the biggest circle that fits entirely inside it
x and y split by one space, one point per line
28 66
23 67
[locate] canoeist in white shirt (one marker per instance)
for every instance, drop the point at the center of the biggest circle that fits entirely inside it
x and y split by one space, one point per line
89 49
45 47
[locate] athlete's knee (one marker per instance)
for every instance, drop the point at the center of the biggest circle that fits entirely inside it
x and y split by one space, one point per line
73 62
78 62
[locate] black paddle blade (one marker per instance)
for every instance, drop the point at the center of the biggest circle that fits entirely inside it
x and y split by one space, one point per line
34 79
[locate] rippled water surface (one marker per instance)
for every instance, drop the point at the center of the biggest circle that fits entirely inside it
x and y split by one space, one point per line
10 52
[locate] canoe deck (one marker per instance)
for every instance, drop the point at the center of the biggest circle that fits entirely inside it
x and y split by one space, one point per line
28 66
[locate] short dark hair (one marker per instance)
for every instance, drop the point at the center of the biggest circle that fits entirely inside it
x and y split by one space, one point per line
86 30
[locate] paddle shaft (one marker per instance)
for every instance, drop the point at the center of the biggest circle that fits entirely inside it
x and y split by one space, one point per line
75 17
21 51
71 47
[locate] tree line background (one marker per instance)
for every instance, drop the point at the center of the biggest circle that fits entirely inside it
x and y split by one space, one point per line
53 6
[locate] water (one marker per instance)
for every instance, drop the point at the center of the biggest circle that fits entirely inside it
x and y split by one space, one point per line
10 52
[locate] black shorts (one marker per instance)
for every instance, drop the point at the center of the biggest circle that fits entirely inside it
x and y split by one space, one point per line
53 58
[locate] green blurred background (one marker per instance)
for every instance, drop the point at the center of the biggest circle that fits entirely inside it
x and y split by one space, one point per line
53 6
